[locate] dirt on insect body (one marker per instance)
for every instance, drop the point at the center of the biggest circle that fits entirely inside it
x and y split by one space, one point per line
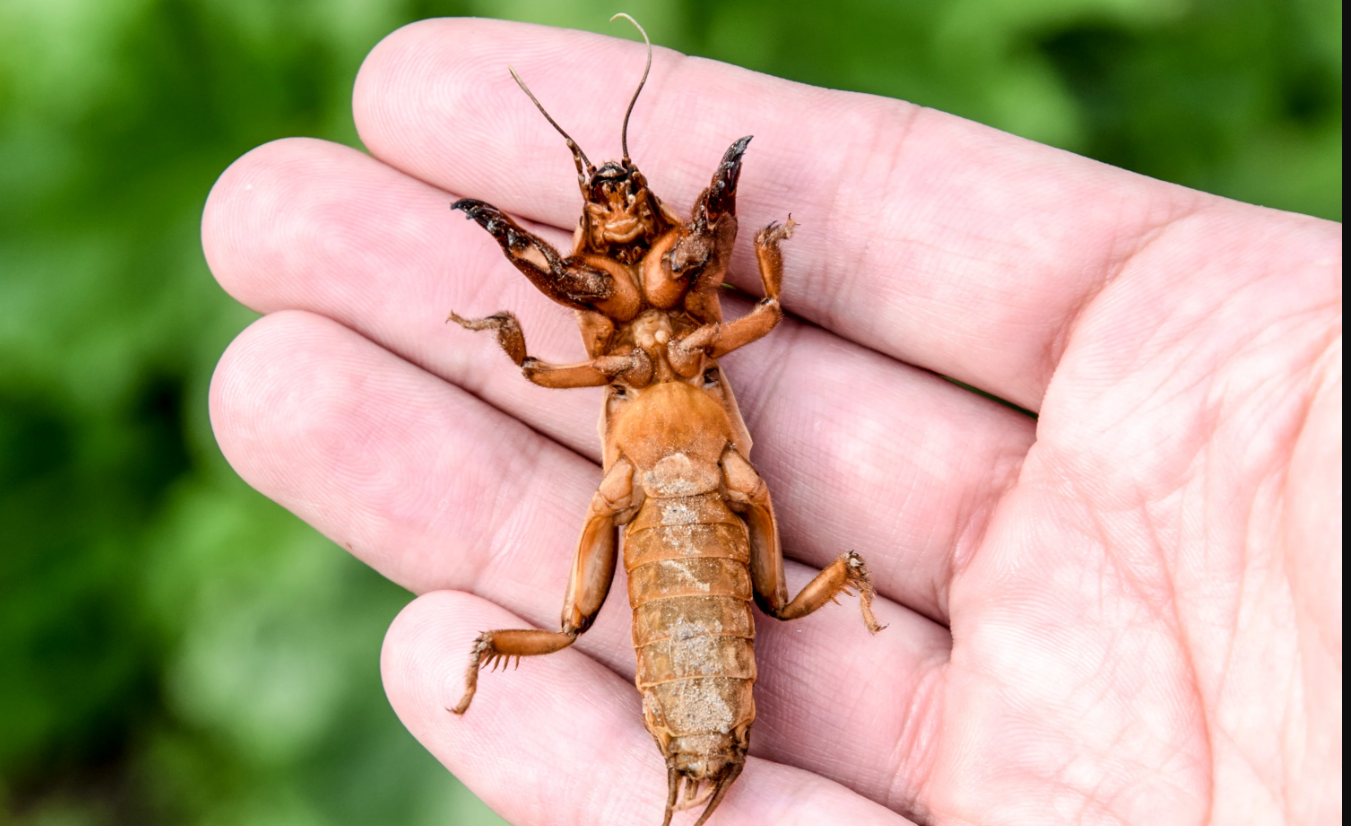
700 539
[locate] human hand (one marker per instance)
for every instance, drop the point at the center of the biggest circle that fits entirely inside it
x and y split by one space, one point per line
1126 610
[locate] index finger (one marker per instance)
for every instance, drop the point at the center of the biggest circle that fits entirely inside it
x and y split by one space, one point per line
933 239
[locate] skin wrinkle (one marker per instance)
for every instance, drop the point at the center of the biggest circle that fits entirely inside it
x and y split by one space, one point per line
1178 753
771 373
1325 378
1163 555
1278 792
1239 601
968 542
405 565
1172 622
1158 595
504 514
1293 707
1057 344
1222 690
925 704
1092 801
842 215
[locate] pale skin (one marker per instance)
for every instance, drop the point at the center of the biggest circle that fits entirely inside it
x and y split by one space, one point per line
1125 611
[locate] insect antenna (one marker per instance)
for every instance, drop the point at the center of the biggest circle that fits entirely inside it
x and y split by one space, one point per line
584 167
624 134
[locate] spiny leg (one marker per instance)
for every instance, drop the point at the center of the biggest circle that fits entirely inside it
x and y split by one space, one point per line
847 571
593 569
492 647
768 256
747 491
595 373
767 312
565 280
634 367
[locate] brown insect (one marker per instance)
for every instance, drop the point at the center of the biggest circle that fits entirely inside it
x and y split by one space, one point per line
700 540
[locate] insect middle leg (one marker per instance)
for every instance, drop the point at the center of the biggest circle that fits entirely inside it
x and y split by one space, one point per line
595 373
748 490
767 312
593 570
698 259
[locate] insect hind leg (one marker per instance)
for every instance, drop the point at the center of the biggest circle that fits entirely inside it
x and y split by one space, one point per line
748 494
593 569
846 572
493 647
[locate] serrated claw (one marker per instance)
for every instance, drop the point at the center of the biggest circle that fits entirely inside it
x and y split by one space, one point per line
493 220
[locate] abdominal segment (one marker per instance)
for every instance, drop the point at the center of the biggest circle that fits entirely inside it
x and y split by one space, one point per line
690 588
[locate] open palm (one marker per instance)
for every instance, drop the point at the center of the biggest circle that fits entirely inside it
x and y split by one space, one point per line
1127 609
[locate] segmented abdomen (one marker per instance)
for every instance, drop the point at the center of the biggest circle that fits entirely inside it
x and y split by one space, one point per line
690 588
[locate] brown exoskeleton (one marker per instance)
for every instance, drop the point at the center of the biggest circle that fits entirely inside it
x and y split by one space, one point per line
700 540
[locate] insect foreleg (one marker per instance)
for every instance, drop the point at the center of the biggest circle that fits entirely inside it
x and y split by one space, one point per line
697 261
746 489
593 569
720 197
565 280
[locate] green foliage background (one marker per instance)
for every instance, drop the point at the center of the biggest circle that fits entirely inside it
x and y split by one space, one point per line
176 649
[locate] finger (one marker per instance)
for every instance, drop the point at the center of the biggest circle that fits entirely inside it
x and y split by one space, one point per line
933 239
385 459
862 453
436 489
571 729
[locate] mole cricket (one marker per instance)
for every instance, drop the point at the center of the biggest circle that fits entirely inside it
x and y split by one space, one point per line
700 540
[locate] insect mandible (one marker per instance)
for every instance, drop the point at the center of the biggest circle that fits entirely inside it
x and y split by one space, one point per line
700 539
